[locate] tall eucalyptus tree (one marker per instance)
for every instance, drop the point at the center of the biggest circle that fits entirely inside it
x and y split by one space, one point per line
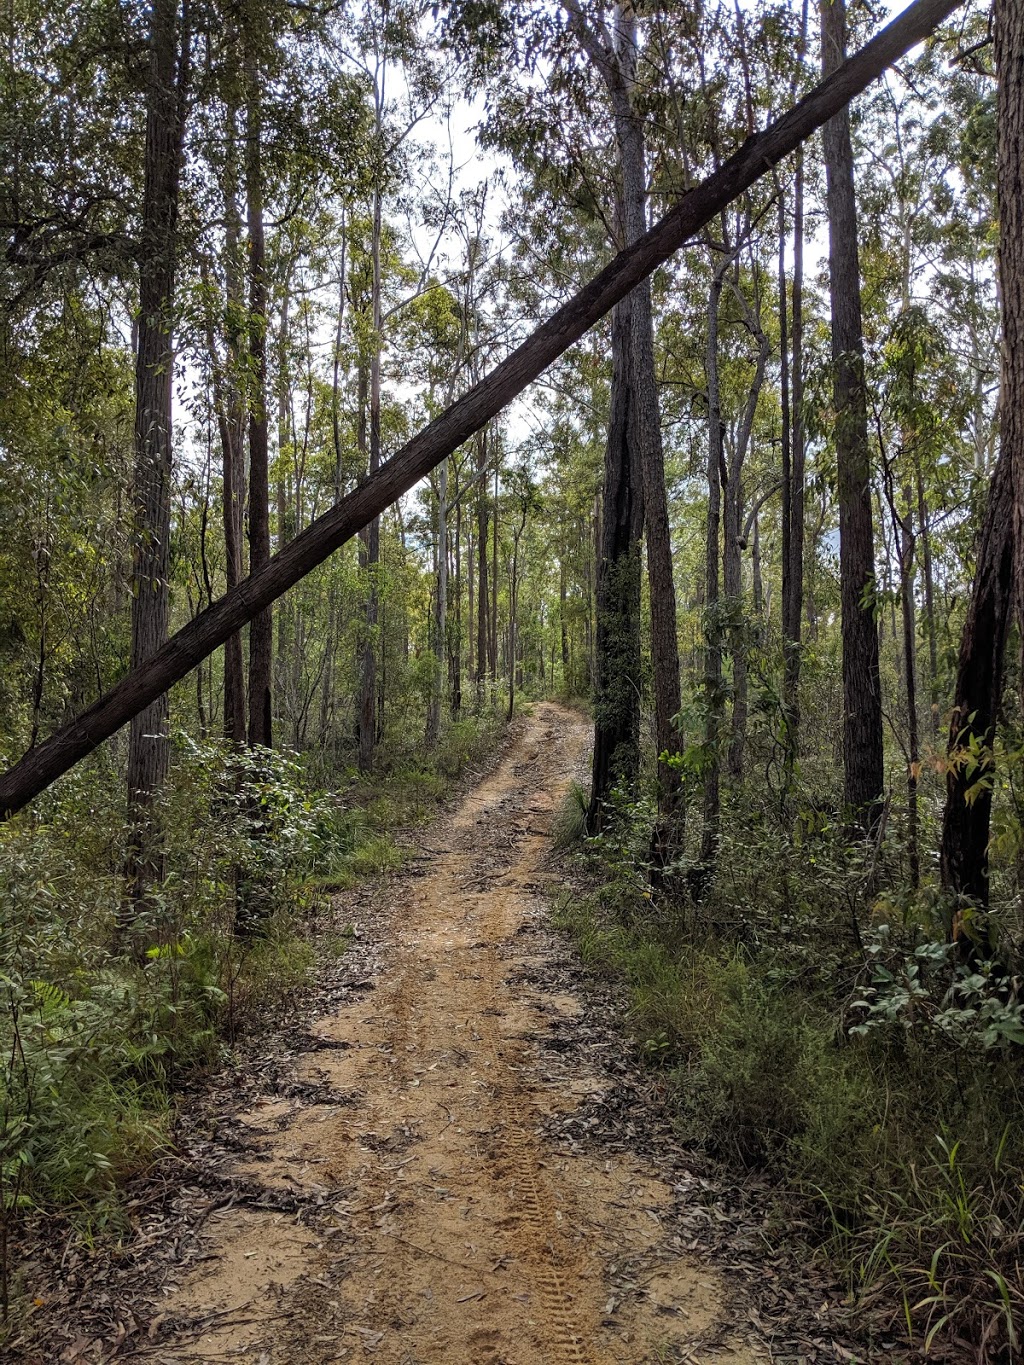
167 95
862 690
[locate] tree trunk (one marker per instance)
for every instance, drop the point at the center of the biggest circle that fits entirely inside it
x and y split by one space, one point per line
368 710
979 683
493 647
440 622
929 598
906 558
563 624
229 407
233 444
755 569
483 603
336 363
261 631
617 68
664 642
1009 36
735 613
616 760
979 688
288 663
36 770
793 419
713 698
793 480
455 655
734 538
862 698
471 673
148 755
513 586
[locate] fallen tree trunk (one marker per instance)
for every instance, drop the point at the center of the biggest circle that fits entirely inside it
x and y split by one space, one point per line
44 764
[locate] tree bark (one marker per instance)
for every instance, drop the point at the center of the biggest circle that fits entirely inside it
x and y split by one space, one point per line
1000 573
862 698
261 631
229 408
336 363
793 476
231 415
148 755
616 758
713 697
1009 43
493 645
929 598
617 66
440 622
483 601
563 623
734 539
979 690
368 709
907 550
455 654
184 650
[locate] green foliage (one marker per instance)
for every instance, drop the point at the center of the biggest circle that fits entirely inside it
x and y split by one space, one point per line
102 1014
570 822
95 1032
870 1070
930 993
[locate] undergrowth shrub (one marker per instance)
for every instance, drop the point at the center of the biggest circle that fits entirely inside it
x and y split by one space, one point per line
810 1020
100 1014
103 1010
569 826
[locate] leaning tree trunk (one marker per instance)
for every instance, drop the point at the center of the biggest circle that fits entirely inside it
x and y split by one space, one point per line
862 697
36 770
148 755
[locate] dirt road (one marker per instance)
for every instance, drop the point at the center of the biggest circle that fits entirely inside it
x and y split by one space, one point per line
448 1229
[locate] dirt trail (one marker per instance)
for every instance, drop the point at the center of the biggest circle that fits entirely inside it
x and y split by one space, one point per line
447 1229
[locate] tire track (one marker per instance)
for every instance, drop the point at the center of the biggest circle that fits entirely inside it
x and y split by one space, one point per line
462 1237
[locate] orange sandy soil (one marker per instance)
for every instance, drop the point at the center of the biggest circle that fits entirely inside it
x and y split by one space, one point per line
450 1230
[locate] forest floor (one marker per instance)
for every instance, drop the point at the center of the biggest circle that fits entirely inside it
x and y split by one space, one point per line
461 1160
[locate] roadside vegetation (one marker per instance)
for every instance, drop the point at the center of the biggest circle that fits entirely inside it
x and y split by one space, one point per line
108 1008
812 1019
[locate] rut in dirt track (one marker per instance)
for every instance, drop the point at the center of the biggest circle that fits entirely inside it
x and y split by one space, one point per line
447 1228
